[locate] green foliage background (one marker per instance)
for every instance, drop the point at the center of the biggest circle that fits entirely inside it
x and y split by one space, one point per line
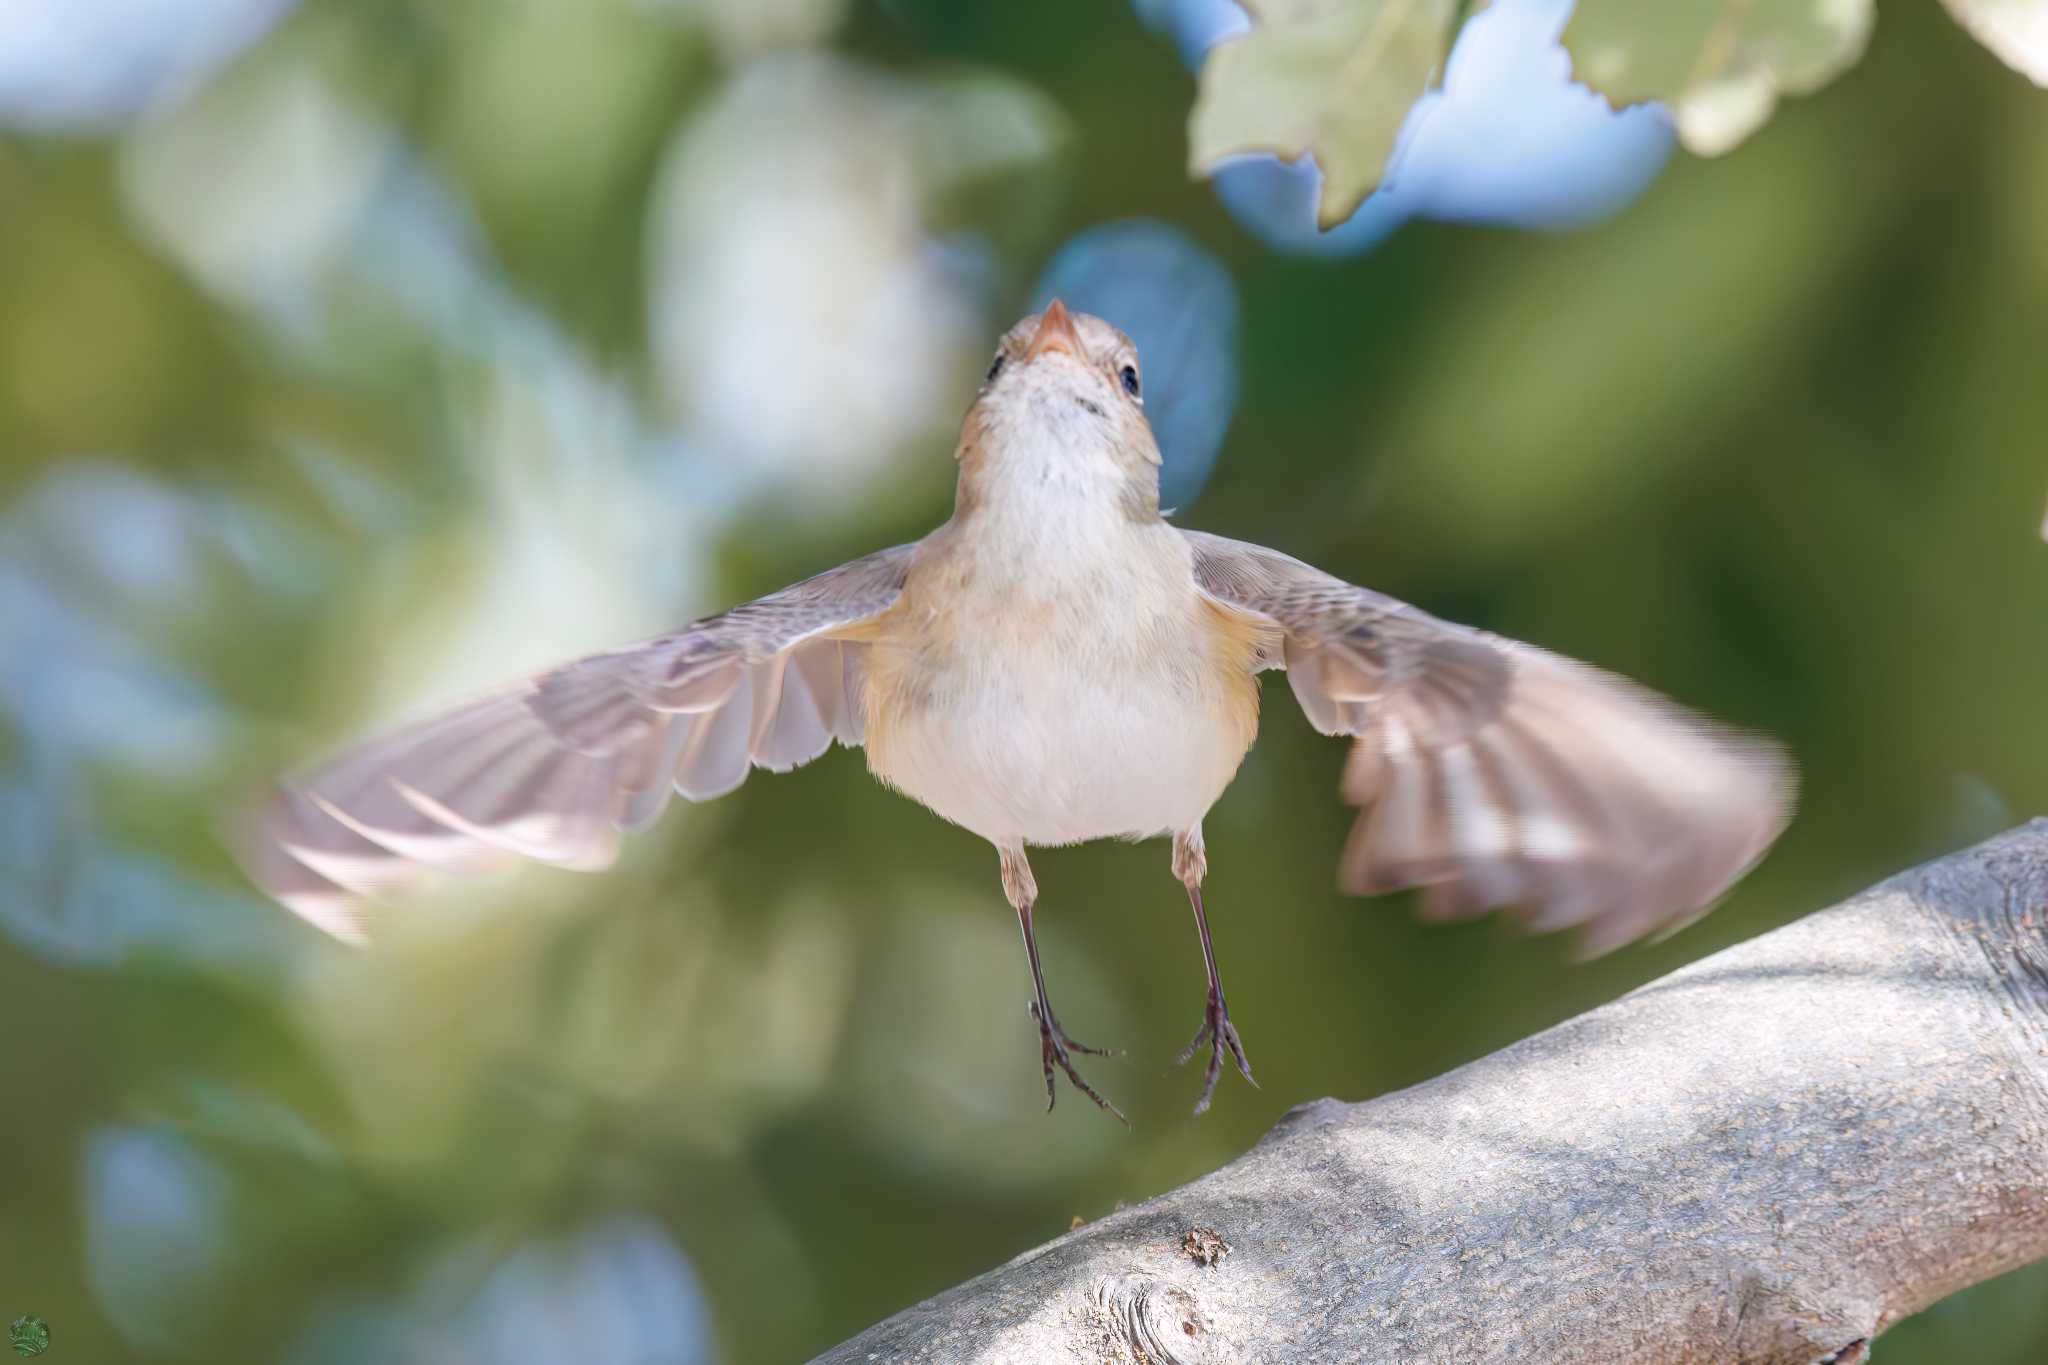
1771 441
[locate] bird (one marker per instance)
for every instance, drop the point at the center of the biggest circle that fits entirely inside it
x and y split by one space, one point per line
1056 663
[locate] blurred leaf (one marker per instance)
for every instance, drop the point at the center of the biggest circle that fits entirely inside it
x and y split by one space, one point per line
158 1251
1332 78
2016 30
611 1290
807 328
551 119
73 898
92 67
1720 64
990 152
105 345
1554 397
747 28
257 184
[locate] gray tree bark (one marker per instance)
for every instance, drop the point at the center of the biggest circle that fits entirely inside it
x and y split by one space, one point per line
1771 1155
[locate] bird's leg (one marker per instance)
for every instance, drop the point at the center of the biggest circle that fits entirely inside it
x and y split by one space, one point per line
1054 1045
1190 864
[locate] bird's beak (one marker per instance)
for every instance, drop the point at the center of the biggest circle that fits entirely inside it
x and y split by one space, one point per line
1055 333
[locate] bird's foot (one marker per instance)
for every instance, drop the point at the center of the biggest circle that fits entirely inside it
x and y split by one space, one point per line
1055 1048
1219 1033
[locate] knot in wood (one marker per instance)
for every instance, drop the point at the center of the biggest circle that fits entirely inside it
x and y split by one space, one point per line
1154 1320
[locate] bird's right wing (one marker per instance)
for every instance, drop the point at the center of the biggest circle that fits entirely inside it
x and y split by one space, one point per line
556 766
1493 773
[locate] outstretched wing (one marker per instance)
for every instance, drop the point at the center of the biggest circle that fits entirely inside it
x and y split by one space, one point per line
1493 773
556 766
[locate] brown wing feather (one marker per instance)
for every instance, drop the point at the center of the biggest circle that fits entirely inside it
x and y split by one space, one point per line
556 767
1493 773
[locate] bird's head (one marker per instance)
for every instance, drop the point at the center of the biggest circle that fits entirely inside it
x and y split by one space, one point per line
1063 406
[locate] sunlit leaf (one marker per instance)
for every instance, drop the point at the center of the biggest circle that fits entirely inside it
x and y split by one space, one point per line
1332 78
2016 30
1720 64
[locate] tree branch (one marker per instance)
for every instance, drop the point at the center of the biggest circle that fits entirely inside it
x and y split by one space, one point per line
1771 1155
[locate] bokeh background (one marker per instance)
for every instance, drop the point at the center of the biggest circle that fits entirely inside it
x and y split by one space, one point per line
358 353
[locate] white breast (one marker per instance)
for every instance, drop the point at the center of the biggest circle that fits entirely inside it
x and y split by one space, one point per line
1059 682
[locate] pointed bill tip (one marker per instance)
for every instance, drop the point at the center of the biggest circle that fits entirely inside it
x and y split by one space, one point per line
1055 332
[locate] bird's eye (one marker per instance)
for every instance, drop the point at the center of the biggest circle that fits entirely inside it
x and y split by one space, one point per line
1129 374
995 367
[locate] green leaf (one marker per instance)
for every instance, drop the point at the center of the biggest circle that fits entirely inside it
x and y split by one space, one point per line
2015 30
1719 64
1335 78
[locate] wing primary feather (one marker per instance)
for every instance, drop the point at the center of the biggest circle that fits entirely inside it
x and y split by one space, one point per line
556 768
1495 774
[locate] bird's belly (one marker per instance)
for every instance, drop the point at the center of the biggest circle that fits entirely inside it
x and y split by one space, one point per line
1055 757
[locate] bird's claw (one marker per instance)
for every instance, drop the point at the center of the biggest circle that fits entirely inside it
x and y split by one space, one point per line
1055 1049
1219 1033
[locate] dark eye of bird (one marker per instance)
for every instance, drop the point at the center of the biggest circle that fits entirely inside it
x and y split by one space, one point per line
995 367
1129 374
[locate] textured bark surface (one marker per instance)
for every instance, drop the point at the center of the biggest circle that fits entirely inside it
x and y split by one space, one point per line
1771 1155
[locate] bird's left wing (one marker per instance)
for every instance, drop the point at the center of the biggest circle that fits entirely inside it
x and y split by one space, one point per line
1493 773
554 767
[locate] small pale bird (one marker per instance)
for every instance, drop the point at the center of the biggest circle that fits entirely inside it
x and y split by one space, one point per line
1059 663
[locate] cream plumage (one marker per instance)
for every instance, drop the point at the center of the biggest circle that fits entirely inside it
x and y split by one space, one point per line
1058 663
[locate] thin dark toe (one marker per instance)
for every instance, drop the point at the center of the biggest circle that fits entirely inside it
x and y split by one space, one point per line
1244 1064
1209 1077
1219 1033
1090 1091
1083 1048
1051 1027
1054 1047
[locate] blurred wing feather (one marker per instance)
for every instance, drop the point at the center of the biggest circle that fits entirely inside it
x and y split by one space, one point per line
1494 774
557 767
